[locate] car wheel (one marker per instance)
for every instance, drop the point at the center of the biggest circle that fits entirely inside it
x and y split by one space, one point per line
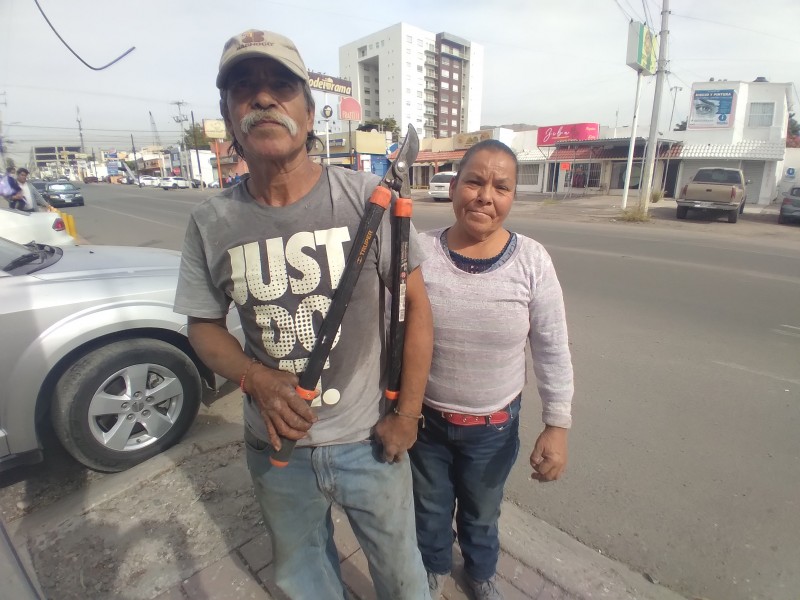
174 186
781 220
125 402
733 216
682 212
741 207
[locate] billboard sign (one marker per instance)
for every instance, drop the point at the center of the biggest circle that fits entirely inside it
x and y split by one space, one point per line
573 132
462 141
330 85
349 109
712 109
214 128
642 53
113 167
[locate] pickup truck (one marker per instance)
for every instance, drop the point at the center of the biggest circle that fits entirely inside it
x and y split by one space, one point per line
714 189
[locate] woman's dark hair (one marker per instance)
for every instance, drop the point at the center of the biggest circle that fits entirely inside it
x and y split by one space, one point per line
494 146
236 147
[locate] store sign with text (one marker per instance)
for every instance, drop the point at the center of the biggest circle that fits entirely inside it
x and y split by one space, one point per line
329 85
349 109
573 132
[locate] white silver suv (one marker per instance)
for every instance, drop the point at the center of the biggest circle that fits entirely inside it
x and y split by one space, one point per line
439 188
149 181
172 183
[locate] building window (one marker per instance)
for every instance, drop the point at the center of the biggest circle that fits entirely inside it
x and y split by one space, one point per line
455 76
455 88
445 85
419 68
366 102
408 50
366 78
528 174
445 97
419 42
410 39
445 48
445 61
366 90
761 114
419 94
370 46
454 111
443 132
454 123
576 176
443 110
445 73
367 113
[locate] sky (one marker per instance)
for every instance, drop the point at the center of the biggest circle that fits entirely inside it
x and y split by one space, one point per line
546 63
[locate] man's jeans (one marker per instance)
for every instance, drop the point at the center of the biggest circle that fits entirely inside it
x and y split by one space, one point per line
467 465
377 498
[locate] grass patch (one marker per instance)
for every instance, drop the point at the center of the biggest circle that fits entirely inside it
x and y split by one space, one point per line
550 202
656 196
636 214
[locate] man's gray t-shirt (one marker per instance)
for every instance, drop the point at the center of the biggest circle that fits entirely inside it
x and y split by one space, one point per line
280 266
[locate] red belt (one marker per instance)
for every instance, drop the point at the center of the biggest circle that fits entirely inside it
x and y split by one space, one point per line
496 418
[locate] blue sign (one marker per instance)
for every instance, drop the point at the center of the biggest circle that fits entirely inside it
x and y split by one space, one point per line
712 109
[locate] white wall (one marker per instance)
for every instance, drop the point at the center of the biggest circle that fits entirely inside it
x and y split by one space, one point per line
474 97
786 181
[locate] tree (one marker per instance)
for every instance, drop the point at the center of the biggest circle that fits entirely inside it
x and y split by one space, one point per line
202 142
794 127
681 126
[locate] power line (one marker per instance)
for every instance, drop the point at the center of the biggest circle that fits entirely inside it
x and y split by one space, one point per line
623 11
764 33
75 54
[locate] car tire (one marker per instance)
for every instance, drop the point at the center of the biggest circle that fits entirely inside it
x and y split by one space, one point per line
682 212
741 206
781 220
733 216
174 186
98 395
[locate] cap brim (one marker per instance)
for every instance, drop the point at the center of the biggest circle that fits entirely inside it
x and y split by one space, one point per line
240 56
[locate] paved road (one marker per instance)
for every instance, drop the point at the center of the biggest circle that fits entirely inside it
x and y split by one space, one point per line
686 343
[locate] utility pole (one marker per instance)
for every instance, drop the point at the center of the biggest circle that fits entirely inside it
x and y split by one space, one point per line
632 143
80 128
646 182
182 118
135 162
197 151
674 89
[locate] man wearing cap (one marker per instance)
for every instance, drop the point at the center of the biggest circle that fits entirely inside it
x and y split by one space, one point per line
275 245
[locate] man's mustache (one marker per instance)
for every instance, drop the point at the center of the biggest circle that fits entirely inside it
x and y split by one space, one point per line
251 119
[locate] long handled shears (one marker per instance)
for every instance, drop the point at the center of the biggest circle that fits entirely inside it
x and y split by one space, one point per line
396 179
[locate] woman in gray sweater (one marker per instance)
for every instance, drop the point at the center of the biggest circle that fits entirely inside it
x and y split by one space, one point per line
492 292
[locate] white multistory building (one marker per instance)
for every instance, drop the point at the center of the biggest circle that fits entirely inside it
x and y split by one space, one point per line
433 81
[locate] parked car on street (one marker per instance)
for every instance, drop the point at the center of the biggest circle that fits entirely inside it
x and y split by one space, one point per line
149 181
716 189
790 207
90 342
90 179
439 187
62 193
42 227
171 183
214 184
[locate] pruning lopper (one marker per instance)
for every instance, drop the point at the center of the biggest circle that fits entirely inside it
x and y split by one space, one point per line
395 179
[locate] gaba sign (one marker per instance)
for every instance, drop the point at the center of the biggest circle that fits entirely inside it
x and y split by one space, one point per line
574 132
349 109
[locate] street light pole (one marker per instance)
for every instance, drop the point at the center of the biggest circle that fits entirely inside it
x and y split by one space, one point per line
652 138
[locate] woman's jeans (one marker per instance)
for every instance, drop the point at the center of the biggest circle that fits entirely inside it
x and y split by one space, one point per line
376 496
462 470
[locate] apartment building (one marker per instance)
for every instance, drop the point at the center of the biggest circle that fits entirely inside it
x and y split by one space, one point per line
433 81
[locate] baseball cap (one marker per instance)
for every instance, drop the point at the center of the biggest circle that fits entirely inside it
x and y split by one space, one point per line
255 43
